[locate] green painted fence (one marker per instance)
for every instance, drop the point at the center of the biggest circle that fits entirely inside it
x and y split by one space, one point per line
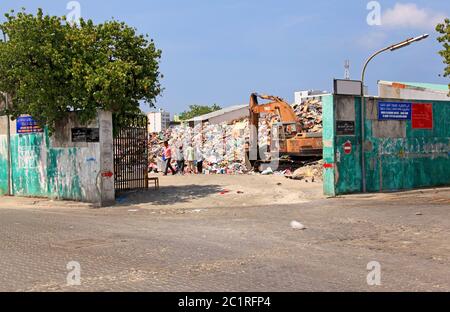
401 159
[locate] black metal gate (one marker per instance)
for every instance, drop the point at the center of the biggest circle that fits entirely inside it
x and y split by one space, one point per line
130 152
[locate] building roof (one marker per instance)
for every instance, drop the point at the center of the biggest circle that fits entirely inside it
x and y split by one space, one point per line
417 85
218 113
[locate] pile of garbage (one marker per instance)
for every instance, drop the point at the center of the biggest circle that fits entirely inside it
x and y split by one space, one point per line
310 115
223 145
312 171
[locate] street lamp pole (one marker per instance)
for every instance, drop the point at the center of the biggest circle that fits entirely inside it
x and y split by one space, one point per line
391 48
8 137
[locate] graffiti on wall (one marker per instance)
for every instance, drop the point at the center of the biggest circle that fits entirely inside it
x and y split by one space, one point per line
414 147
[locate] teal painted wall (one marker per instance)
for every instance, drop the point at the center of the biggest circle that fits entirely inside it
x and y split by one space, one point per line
3 166
420 159
417 158
328 145
348 167
40 170
28 167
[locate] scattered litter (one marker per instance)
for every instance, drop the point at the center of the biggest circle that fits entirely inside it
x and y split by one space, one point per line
198 210
297 225
133 210
268 171
240 192
224 192
313 170
419 214
279 183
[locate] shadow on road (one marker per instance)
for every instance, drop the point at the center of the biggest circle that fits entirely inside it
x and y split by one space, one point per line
167 195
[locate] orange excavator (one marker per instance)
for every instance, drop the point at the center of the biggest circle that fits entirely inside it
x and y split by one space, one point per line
288 139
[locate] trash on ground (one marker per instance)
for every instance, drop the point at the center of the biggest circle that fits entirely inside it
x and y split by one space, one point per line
297 225
267 171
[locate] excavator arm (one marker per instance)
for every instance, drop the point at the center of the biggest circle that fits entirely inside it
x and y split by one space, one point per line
277 106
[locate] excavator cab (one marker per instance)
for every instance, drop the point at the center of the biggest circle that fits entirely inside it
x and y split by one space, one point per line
287 135
280 133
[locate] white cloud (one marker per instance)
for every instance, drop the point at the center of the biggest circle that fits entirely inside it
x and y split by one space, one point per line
372 40
409 15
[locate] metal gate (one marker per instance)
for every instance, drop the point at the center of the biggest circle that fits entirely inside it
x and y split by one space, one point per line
130 152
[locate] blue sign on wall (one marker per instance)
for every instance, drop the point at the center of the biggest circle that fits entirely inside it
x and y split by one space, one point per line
26 124
394 111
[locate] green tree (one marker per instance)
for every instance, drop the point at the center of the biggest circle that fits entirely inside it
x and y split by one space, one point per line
198 110
50 67
444 30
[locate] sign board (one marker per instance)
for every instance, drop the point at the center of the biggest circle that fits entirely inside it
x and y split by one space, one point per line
394 111
347 87
26 124
348 148
90 135
422 116
345 127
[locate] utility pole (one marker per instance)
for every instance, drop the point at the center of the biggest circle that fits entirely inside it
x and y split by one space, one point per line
8 136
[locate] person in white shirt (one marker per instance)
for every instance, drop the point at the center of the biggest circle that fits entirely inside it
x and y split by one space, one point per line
199 159
190 158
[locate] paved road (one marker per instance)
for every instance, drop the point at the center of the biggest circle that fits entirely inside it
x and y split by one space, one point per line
231 249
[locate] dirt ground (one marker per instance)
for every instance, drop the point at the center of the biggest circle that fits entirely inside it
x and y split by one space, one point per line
220 191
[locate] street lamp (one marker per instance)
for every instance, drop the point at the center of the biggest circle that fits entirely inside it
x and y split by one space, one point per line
391 48
8 136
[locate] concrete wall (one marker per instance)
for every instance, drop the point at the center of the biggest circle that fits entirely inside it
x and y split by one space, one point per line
397 157
56 167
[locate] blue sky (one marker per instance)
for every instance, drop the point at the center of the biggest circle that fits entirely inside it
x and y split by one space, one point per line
219 51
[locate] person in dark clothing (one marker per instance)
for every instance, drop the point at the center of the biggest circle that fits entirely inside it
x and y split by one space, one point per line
199 159
180 160
167 153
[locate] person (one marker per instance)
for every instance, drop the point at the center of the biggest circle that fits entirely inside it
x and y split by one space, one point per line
180 159
190 158
199 159
167 155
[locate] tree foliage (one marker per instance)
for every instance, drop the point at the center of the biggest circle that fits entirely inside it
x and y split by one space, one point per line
444 30
50 67
198 110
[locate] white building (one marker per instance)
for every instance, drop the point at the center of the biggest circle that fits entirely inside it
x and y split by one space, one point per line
301 96
158 121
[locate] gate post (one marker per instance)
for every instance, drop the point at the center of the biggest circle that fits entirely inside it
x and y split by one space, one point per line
106 159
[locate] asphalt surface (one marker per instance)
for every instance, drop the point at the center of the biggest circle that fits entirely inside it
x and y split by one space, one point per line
251 248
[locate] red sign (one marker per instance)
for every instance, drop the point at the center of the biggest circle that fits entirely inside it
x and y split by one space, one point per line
348 148
108 174
422 116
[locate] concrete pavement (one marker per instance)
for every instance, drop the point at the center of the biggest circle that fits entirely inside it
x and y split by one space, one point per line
238 248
